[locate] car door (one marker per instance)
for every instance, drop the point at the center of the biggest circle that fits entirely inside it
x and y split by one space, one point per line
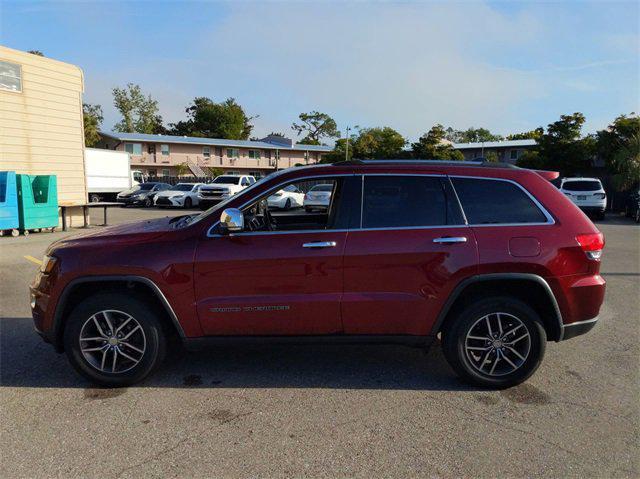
272 282
412 249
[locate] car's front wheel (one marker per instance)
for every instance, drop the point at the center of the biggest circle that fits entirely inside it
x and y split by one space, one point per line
495 342
114 340
188 203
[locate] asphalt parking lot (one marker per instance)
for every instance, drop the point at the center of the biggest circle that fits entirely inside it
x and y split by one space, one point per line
323 410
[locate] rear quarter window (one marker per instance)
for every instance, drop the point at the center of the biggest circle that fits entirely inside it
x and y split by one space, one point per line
488 201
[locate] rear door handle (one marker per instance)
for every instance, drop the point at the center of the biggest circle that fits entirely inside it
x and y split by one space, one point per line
320 244
451 239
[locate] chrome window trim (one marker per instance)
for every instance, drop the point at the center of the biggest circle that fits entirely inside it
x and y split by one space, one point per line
266 194
547 215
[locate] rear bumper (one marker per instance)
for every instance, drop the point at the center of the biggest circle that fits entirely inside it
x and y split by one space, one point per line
592 209
577 329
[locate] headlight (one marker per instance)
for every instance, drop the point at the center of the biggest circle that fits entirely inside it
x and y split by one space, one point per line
48 263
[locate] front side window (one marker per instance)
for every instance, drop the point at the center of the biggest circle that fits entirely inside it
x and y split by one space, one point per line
290 207
487 201
164 149
10 76
245 182
133 148
233 153
403 201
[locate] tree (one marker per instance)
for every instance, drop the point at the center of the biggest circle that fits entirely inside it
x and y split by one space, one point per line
182 169
316 126
378 143
139 112
470 135
434 146
339 152
36 52
208 119
92 119
562 148
527 135
615 145
491 157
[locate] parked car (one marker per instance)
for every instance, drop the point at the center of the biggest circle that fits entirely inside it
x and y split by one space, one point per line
587 193
318 197
184 195
286 198
222 188
492 260
142 194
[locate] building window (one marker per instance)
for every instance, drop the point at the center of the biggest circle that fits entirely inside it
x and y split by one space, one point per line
233 153
165 150
133 148
514 154
256 174
166 172
206 151
10 76
254 154
153 172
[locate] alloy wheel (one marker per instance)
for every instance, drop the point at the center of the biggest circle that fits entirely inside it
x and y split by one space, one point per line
112 341
497 344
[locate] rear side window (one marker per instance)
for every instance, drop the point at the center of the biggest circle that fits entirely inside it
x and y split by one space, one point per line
403 201
486 201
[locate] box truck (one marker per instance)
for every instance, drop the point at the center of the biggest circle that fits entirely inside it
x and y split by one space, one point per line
108 173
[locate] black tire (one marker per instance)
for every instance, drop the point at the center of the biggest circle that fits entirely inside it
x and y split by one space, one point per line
93 198
145 315
287 204
308 209
148 203
188 203
454 336
600 216
637 218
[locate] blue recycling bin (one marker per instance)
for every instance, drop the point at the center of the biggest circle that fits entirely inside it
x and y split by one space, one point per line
9 218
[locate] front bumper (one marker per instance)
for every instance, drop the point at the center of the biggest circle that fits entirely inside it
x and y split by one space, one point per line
166 201
131 201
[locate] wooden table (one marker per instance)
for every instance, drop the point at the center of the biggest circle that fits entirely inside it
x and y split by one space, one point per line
85 211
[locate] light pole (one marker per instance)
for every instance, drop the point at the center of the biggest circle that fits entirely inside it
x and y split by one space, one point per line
346 152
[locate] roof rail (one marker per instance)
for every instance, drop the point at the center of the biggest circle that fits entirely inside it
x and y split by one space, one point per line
485 164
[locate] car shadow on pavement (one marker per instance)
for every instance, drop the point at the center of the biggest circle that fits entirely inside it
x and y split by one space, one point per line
26 361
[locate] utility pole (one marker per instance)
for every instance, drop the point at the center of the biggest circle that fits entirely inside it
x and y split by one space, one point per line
346 153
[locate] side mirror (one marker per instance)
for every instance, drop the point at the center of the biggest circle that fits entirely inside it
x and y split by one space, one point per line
231 221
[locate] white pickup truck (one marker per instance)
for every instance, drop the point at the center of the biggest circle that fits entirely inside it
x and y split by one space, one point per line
222 188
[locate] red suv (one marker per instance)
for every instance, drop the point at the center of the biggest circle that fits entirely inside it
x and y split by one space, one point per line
491 259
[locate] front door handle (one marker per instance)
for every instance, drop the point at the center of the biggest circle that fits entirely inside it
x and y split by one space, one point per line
320 244
451 239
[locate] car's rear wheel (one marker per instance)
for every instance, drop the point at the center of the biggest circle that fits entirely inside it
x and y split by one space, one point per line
114 340
287 204
495 342
148 202
188 203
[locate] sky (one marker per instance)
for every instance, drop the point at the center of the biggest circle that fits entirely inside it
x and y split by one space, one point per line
506 66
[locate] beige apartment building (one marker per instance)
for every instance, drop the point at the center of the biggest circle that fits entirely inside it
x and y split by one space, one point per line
166 155
508 151
41 127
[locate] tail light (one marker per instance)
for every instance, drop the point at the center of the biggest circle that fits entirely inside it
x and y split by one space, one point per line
592 244
306 196
602 196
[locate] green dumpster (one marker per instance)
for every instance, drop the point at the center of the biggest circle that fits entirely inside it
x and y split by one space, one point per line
37 201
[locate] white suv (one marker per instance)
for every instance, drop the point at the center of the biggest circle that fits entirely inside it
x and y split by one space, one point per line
222 188
587 193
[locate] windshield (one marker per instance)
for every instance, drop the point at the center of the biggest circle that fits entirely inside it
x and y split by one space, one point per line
227 180
182 187
146 186
581 185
